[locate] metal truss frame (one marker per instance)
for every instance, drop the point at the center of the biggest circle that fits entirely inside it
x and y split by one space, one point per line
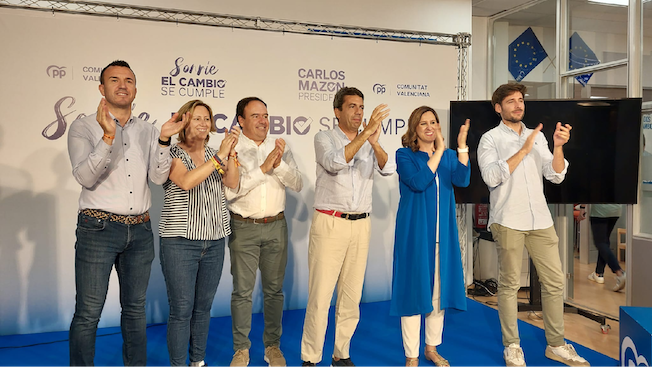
460 40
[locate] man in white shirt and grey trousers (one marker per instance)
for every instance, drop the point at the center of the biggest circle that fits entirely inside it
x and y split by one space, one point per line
513 160
260 235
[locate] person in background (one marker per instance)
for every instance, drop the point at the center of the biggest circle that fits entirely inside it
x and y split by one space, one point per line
428 275
603 218
193 228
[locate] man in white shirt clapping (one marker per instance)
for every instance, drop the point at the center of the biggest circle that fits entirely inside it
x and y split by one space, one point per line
513 160
260 236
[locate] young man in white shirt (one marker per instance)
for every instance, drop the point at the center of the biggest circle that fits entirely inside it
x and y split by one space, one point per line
513 160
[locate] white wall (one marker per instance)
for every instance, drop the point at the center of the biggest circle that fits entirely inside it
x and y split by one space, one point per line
38 196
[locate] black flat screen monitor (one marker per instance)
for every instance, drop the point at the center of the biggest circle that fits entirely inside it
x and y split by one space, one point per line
603 150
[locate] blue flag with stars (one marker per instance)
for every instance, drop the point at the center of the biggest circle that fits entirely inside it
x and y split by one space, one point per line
580 55
525 53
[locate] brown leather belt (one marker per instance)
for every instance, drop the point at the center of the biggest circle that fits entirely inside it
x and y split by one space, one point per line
126 219
274 218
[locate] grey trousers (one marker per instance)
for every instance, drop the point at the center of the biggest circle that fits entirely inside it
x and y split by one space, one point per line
257 246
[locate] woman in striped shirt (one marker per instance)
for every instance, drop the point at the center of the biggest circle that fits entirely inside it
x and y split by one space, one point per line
193 228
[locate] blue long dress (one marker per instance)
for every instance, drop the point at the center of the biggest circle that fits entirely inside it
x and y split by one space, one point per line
414 244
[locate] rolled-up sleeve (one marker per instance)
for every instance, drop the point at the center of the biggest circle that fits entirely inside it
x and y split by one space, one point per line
390 165
288 172
546 162
161 161
494 170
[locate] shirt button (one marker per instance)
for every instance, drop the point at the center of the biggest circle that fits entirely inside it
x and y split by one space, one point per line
131 192
127 159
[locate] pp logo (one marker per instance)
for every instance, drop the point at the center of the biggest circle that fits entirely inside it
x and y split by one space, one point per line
55 71
637 360
379 88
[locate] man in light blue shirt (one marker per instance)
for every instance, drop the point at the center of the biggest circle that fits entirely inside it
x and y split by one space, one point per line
341 226
113 154
513 161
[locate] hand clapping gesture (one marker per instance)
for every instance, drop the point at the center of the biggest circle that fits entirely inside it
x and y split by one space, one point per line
373 127
562 134
174 125
228 143
104 119
464 132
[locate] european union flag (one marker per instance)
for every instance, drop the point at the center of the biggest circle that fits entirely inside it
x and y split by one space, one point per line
580 55
525 53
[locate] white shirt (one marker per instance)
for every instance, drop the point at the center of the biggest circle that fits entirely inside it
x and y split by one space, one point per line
517 199
261 195
343 186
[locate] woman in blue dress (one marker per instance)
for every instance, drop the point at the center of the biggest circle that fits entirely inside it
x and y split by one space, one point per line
426 233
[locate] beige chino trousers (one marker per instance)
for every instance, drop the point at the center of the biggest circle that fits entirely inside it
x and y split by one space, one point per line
337 255
543 247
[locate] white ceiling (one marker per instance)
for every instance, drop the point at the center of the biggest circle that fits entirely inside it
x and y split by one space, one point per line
584 16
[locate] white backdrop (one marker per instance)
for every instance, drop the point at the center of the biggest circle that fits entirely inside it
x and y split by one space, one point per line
50 73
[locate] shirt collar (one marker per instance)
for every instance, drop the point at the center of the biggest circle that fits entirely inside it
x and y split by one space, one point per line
341 133
129 120
246 140
509 129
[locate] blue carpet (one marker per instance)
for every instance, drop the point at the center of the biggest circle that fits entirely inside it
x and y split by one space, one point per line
471 338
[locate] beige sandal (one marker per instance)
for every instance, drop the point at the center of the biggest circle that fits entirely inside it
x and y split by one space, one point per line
411 361
432 355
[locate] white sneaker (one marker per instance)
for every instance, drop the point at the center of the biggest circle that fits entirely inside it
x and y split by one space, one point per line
596 278
513 355
566 354
620 282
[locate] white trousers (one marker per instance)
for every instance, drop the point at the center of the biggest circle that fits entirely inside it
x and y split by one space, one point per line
411 325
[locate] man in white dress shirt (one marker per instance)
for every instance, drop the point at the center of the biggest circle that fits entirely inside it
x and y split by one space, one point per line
260 236
513 160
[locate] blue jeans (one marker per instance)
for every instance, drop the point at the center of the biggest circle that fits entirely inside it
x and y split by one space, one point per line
601 228
100 245
192 271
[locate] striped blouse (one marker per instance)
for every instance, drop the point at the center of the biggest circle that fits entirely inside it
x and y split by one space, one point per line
199 213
